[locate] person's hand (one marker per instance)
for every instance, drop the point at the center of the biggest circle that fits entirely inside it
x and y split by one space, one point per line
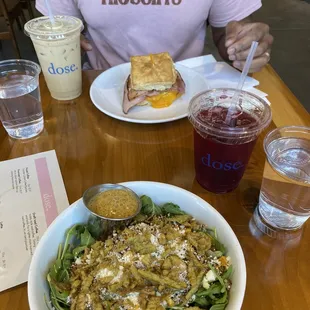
85 45
239 37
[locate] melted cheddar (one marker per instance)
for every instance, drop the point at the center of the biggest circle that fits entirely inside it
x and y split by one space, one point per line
163 100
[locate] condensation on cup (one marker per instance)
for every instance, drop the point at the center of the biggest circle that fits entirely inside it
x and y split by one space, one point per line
58 49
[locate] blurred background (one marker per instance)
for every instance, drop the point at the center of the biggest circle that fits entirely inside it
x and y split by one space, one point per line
289 21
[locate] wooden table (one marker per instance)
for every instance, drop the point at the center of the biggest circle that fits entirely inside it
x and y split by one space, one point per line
93 148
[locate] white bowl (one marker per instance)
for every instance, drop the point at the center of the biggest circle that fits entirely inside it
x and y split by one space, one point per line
46 250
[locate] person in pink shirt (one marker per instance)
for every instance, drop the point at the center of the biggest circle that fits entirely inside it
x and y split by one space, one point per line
118 29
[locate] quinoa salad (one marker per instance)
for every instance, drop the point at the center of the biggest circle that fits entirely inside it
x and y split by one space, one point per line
162 259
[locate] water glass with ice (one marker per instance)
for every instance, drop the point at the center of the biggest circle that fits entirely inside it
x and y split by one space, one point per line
20 102
284 202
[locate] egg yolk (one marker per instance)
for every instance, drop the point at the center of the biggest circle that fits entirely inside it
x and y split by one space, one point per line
163 100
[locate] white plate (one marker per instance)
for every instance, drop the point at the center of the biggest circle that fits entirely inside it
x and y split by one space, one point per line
106 93
46 250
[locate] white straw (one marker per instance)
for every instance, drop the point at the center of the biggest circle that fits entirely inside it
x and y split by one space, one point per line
50 12
245 71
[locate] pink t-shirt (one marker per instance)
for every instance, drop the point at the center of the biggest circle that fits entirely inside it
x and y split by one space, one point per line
118 29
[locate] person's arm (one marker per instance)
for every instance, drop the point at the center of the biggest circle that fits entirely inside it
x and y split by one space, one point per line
233 32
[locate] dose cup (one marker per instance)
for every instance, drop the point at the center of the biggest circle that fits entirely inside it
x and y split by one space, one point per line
58 49
222 151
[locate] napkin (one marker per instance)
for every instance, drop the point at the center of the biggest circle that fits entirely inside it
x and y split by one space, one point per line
221 74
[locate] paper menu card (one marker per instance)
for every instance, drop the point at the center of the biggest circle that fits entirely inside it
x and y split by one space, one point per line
32 194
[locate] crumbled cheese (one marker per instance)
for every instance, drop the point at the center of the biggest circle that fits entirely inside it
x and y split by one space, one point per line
173 243
88 302
126 258
88 259
133 298
176 296
105 294
208 278
103 273
68 299
78 261
139 264
156 255
164 303
214 261
182 276
181 249
160 249
205 284
154 240
118 276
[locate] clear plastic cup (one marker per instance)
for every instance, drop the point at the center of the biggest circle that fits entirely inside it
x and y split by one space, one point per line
58 49
284 202
20 101
221 151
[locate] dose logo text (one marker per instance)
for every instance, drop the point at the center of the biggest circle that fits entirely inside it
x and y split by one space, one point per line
219 165
61 70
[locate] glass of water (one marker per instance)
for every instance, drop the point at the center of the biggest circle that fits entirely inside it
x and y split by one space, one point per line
284 202
20 101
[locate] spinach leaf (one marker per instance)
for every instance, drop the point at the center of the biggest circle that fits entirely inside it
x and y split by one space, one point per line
64 276
86 238
228 273
216 254
78 250
171 208
219 246
140 218
77 239
222 300
71 232
218 307
219 278
214 288
95 227
149 207
215 242
68 255
55 269
202 301
58 297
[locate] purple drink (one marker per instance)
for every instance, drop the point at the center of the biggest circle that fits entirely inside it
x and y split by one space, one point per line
222 151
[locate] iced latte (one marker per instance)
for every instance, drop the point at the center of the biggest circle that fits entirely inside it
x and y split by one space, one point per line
58 49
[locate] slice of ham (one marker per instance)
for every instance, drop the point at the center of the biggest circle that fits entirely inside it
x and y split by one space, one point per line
134 97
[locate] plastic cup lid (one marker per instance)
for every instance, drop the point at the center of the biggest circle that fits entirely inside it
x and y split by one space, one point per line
218 100
43 29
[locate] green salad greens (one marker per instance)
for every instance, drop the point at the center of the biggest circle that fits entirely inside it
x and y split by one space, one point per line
207 294
77 239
